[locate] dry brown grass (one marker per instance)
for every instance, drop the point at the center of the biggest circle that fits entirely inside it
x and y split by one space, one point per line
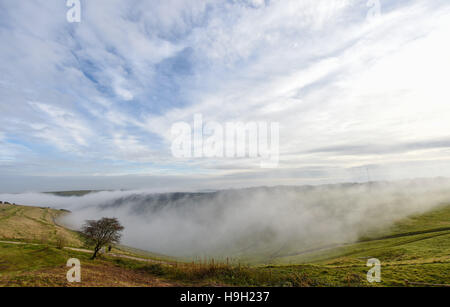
34 224
99 275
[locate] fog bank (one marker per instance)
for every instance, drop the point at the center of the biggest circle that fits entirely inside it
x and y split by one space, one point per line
250 221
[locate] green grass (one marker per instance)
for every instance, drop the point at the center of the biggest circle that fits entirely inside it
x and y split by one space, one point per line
25 258
35 225
416 249
127 250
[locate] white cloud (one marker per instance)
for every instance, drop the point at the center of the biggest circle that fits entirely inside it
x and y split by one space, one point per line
62 128
110 87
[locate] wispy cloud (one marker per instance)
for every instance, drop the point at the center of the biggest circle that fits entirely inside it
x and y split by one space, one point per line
100 96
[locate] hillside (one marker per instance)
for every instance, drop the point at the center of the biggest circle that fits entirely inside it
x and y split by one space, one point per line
425 236
256 224
34 250
416 249
34 224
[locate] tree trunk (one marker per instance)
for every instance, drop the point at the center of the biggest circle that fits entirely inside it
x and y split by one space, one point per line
95 253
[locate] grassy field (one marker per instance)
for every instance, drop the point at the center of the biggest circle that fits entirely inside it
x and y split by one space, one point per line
34 224
414 250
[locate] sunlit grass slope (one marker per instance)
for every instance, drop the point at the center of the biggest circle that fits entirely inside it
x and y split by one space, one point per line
414 251
35 224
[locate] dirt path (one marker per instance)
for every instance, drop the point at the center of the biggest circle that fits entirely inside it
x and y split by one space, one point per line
139 259
82 250
79 249
118 255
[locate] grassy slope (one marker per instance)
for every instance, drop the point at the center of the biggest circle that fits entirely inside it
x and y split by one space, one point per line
415 249
33 224
37 261
43 265
423 237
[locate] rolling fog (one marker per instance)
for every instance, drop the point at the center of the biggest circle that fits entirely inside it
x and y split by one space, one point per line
249 221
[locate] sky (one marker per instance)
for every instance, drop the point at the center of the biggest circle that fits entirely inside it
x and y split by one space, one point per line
359 89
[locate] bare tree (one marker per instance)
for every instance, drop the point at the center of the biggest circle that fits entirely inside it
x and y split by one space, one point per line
102 232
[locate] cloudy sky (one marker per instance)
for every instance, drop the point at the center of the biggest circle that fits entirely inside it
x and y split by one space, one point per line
359 88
